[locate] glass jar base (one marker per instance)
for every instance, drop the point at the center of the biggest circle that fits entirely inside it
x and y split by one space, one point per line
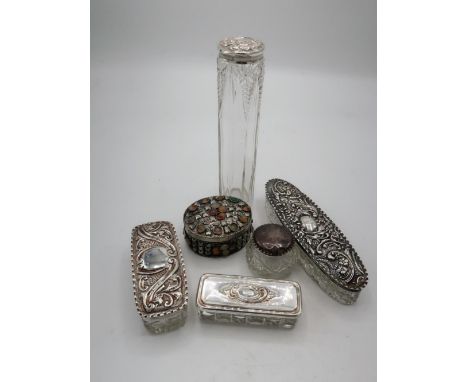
275 267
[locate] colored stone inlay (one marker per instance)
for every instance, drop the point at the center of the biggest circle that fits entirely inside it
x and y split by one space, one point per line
213 212
208 249
233 227
243 219
219 225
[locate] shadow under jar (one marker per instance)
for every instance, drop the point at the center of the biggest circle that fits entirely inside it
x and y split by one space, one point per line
270 252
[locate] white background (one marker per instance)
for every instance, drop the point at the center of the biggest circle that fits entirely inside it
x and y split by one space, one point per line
422 204
154 151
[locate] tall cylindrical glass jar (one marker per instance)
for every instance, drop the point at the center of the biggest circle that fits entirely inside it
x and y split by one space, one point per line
240 82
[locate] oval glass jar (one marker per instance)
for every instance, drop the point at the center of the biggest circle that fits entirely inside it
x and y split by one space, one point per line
270 252
217 225
323 250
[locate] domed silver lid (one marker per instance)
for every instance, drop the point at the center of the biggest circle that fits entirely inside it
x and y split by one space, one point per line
273 239
241 49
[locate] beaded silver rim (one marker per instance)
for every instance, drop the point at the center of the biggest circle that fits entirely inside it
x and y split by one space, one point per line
160 235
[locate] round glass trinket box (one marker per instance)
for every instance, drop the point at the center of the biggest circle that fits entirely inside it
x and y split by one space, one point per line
217 225
270 252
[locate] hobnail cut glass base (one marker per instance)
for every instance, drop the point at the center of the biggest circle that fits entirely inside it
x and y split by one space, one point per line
167 323
232 318
277 267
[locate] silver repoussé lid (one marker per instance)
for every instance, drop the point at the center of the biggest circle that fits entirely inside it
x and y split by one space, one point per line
241 49
159 280
327 255
249 300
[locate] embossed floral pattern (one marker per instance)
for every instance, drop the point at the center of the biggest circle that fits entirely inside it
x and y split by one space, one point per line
325 245
161 289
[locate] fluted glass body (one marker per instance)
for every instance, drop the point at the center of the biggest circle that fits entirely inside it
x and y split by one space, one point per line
239 95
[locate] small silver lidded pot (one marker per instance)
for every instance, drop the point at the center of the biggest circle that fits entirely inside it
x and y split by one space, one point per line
217 225
270 252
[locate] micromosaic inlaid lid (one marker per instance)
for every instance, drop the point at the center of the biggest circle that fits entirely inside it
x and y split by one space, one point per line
217 218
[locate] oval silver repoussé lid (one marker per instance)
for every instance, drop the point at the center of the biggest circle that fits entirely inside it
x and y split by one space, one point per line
326 256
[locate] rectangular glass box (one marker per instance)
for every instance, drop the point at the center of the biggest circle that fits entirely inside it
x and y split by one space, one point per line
323 250
248 300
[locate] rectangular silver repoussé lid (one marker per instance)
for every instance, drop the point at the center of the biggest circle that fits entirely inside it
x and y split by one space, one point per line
249 300
159 280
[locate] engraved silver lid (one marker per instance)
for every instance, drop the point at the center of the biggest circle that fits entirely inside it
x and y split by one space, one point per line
249 295
241 49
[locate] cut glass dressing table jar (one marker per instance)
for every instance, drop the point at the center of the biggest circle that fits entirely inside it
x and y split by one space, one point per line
249 300
271 251
240 83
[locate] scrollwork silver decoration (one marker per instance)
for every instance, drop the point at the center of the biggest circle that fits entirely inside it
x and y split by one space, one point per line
248 293
322 241
160 290
245 48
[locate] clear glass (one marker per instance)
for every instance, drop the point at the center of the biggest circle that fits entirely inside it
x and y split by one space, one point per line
248 300
167 323
239 95
276 267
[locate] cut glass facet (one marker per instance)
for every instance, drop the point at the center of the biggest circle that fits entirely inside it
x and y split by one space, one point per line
240 83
